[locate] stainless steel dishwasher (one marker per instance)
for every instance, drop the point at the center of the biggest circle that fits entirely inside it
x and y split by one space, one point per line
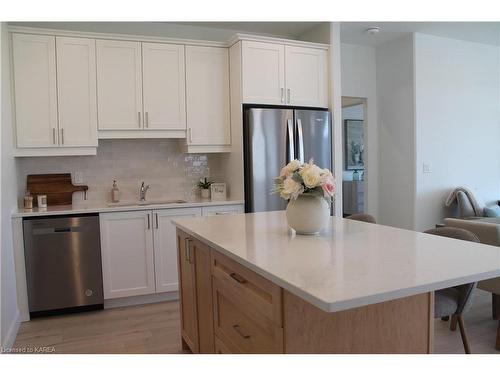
63 263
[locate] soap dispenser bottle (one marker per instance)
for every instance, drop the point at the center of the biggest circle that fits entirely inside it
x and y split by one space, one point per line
115 193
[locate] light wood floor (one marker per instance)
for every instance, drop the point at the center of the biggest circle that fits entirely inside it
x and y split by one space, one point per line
155 328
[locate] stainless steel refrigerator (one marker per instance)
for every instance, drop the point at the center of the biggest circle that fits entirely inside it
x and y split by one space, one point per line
273 137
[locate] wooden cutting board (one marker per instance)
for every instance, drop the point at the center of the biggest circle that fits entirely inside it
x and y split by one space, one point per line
58 188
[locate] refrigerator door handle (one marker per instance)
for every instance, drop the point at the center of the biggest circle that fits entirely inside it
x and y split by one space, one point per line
300 141
291 148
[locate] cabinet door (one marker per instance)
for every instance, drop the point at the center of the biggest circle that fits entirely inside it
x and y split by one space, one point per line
165 246
207 91
187 281
119 85
263 73
306 76
164 86
127 254
76 91
34 66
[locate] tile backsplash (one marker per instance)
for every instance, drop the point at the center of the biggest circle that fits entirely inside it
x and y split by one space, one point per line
159 163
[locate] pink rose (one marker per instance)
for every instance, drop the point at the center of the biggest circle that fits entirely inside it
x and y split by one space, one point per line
328 187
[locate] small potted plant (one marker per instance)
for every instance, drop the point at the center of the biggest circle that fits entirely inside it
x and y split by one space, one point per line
204 185
309 191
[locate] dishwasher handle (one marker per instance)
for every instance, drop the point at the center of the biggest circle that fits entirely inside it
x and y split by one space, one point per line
55 230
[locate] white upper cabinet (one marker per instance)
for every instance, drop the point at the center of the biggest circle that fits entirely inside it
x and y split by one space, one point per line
306 72
76 91
119 85
263 72
164 86
282 74
165 246
34 58
207 92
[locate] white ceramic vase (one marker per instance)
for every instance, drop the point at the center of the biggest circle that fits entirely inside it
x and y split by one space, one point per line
205 193
307 214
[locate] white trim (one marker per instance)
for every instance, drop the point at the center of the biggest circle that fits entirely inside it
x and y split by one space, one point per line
289 42
140 134
113 36
196 149
54 151
156 39
10 337
140 300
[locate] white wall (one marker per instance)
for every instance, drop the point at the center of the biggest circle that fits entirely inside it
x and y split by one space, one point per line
359 80
8 188
395 97
457 123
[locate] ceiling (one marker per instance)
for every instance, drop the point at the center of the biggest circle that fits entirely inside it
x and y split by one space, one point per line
480 32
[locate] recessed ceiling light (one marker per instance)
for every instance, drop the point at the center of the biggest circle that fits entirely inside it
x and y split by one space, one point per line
372 30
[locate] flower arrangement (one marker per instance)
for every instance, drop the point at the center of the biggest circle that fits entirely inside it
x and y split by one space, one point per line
296 178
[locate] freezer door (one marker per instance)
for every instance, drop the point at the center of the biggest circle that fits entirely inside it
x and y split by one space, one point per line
313 137
268 146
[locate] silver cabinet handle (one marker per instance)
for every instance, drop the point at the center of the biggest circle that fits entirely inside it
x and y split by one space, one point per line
223 213
282 95
146 119
62 135
139 119
156 217
149 223
291 149
288 94
54 135
190 135
300 141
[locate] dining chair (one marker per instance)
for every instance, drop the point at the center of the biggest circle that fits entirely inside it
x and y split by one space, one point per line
362 217
453 301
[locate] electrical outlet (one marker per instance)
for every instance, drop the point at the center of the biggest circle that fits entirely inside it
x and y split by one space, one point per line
426 168
78 177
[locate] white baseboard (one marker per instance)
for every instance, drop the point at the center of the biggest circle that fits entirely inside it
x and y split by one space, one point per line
10 337
140 300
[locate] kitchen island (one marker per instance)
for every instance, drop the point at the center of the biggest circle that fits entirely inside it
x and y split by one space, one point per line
249 284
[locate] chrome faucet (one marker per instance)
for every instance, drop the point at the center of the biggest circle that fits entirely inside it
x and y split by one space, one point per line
143 191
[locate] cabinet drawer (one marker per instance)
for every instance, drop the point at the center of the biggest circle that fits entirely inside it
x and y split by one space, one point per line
223 210
240 329
221 348
262 297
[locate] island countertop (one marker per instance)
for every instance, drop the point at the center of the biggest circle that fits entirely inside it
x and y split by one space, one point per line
350 264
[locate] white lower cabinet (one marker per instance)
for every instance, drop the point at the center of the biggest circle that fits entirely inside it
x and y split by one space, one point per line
165 246
139 249
127 254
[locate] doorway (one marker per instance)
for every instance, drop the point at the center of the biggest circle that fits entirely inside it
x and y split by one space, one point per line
354 155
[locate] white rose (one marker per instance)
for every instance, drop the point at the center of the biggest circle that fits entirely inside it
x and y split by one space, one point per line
288 169
291 189
311 175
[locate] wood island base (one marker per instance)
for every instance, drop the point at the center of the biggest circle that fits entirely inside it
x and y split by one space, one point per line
228 308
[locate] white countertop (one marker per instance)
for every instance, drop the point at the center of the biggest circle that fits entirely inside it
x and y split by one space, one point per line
349 265
86 208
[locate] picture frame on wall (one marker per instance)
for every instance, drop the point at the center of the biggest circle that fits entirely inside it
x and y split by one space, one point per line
354 145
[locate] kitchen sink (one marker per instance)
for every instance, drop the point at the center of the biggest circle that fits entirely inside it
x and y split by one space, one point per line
146 203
